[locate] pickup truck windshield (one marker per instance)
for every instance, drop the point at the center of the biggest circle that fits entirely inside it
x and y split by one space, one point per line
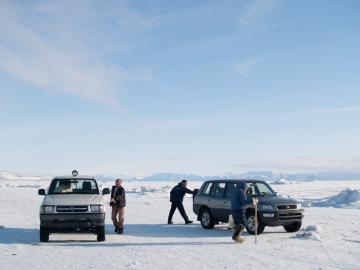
73 186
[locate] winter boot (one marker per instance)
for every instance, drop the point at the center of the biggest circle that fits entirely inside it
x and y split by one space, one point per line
236 236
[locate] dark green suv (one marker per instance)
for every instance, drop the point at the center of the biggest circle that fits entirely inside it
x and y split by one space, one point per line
212 205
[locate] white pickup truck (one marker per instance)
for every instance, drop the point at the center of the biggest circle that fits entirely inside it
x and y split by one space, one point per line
72 204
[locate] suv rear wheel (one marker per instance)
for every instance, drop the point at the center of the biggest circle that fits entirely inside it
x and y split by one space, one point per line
44 234
206 220
293 227
100 231
250 224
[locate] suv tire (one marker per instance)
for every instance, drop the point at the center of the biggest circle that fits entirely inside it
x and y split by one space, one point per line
44 234
206 220
250 224
100 231
293 227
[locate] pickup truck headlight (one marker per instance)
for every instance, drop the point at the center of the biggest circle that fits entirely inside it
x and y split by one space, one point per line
47 209
97 208
266 207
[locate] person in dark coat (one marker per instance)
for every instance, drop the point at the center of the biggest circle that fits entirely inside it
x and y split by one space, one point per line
176 198
239 200
118 203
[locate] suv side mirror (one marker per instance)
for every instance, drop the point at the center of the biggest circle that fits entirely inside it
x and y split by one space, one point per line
106 191
249 191
41 192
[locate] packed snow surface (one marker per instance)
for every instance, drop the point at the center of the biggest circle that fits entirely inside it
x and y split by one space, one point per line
329 238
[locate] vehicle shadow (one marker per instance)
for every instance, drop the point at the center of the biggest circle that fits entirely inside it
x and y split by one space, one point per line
28 236
141 244
19 236
171 231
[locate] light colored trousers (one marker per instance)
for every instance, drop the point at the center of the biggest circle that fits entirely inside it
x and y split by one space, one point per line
117 216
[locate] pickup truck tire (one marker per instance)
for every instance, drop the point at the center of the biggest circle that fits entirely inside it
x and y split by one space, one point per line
250 224
100 231
293 227
206 220
44 234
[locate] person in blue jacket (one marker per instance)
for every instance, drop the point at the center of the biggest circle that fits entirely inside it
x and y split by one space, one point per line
176 198
239 200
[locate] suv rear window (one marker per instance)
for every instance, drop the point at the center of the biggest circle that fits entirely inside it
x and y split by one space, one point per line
207 188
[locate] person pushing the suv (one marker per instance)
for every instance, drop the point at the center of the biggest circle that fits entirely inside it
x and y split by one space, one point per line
239 200
176 198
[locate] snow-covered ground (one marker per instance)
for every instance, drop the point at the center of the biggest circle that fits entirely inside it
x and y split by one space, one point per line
330 238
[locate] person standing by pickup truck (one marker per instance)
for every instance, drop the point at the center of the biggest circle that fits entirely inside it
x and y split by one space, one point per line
176 198
239 200
118 203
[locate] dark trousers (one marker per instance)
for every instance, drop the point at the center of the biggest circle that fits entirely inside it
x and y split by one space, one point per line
239 217
179 206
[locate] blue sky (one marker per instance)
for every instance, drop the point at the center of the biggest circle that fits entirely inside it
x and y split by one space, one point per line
207 87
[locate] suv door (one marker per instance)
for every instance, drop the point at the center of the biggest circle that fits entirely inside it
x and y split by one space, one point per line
229 189
203 197
218 204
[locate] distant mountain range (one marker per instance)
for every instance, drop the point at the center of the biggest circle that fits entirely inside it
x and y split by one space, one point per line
261 175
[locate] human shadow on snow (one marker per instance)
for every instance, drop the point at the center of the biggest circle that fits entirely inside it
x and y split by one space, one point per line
29 236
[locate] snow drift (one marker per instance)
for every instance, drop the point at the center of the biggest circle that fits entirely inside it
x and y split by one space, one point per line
346 198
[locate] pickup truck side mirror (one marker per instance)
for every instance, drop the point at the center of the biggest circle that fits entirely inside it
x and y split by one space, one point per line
106 191
41 191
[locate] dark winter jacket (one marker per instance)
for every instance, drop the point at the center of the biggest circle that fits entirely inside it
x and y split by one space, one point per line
239 200
178 192
118 194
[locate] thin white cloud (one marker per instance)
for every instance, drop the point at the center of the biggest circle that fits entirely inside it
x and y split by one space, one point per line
325 112
244 69
304 163
256 10
54 48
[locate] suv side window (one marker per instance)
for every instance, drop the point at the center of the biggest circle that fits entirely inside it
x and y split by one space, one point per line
207 188
230 188
253 190
219 190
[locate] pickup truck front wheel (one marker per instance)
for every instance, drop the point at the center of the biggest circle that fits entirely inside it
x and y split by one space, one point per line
250 224
44 234
293 227
100 232
206 220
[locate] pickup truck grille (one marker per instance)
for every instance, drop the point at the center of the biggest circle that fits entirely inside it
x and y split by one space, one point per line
71 208
287 207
